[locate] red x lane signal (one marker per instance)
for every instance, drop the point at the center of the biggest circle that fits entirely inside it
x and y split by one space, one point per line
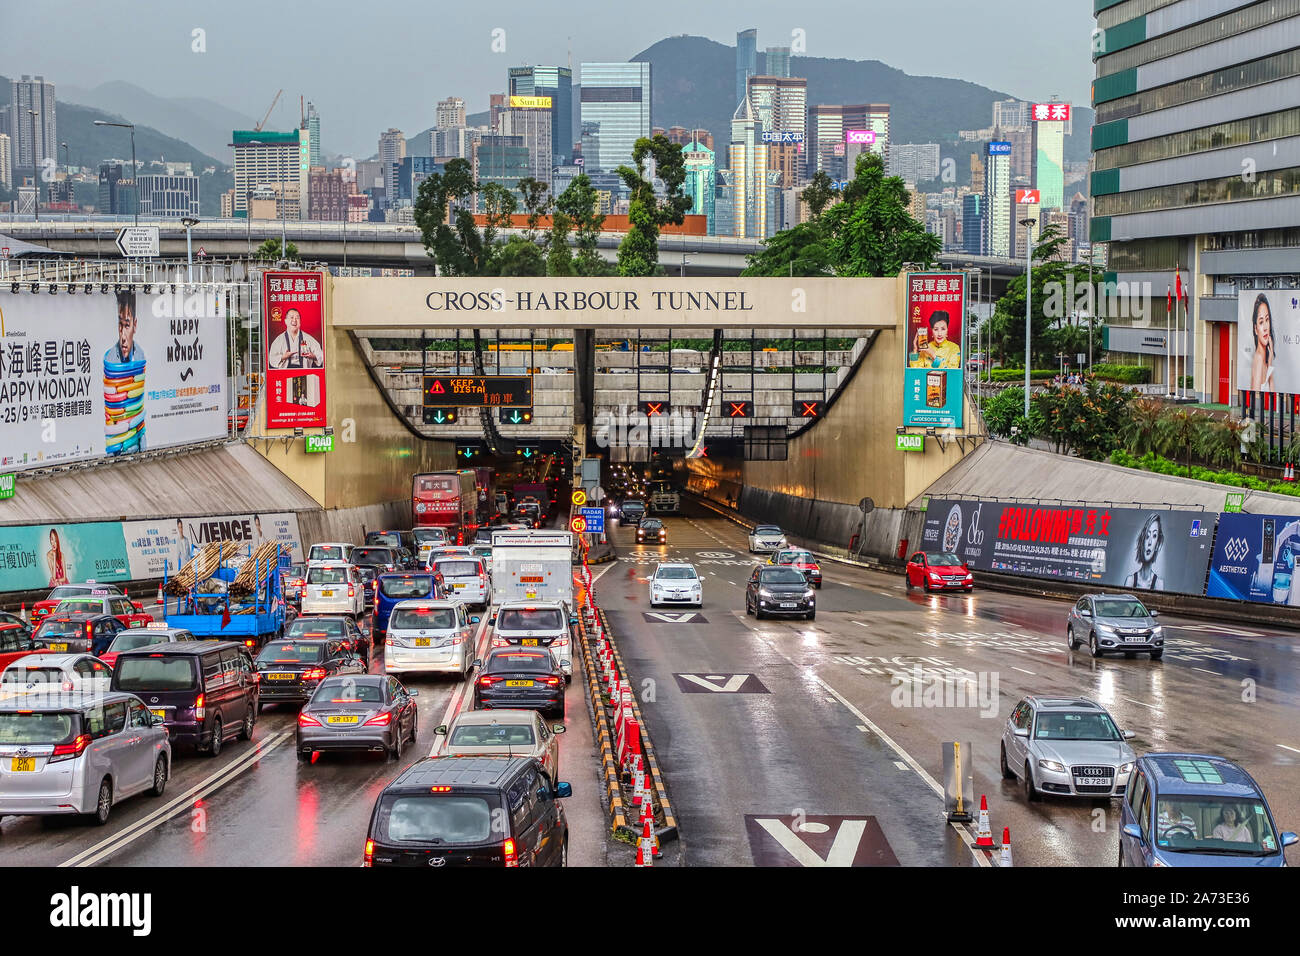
740 409
808 409
654 409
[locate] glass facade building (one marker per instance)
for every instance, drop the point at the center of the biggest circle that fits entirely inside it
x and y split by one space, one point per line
615 112
701 180
557 83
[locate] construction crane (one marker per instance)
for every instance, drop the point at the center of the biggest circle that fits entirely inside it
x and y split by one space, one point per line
258 127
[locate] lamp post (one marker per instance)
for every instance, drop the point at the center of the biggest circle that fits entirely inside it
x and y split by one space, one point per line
67 163
1029 297
248 203
135 184
189 222
36 173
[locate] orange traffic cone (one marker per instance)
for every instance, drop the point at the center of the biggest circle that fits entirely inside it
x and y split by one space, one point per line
648 819
160 594
645 849
983 836
1006 847
23 613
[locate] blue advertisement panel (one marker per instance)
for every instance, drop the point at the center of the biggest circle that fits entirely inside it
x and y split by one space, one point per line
1255 558
933 392
34 557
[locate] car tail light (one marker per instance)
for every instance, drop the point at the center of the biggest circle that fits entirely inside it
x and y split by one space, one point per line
370 852
66 685
68 751
508 851
314 673
352 590
250 642
307 720
550 680
199 711
379 720
488 681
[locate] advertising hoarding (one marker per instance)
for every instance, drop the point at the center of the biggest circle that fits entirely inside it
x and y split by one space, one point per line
934 378
34 557
1255 558
530 102
84 376
999 148
295 356
1268 341
1050 112
1126 548
864 137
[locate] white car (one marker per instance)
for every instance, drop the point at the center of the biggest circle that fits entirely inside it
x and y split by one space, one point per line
426 539
535 624
55 673
334 588
430 637
515 733
766 539
465 578
676 584
330 551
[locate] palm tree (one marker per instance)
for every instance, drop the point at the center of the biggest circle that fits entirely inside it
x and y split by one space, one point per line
1139 431
1178 432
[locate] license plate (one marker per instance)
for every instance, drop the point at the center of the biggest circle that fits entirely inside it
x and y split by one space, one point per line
1135 640
159 713
137 623
279 676
1092 782
789 604
327 594
457 587
28 764
529 642
423 641
342 719
530 594
59 647
519 683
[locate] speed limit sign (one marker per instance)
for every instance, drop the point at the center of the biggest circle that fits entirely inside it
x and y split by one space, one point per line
579 524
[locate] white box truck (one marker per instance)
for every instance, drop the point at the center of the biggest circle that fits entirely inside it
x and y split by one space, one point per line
532 566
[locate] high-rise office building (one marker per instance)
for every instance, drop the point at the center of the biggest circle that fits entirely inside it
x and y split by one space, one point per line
449 113
746 60
781 105
392 150
914 162
412 171
829 127
6 162
996 212
976 174
35 138
118 195
168 197
556 83
496 103
1049 152
684 136
327 194
753 186
504 160
615 112
266 158
1010 114
701 180
534 124
778 61
972 228
313 130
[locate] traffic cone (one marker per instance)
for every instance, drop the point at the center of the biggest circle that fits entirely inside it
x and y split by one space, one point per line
23 613
983 836
645 848
638 786
160 594
1005 859
648 818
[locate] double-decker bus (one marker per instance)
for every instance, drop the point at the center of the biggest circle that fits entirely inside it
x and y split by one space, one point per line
446 499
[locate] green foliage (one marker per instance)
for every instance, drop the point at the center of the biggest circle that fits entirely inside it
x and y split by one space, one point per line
1002 410
1018 375
456 249
1129 374
1163 466
798 251
1086 420
270 250
818 193
519 257
578 205
638 255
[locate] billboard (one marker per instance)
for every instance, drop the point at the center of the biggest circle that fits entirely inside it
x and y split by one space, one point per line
999 148
295 356
1127 548
1255 558
933 381
782 136
1050 112
862 136
171 542
85 376
1268 341
530 102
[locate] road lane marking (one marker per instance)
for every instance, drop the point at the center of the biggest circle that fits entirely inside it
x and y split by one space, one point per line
119 840
1204 671
863 728
1022 670
1141 703
900 765
1292 749
861 623
460 694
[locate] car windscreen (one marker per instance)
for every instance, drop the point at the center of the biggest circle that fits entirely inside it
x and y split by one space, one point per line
1120 608
327 575
444 819
426 484
1218 826
52 628
326 552
136 637
154 673
347 691
528 661
314 628
1076 726
422 619
676 574
373 556
780 576
297 570
429 535
796 557
68 605
457 569
528 619
31 674
491 735
767 530
67 591
35 727
633 506
292 652
405 587
651 524
944 560
384 537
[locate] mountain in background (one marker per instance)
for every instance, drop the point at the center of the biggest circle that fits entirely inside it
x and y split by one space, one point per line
89 145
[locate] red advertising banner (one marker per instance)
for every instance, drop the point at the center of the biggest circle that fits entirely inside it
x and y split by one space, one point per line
292 328
1050 112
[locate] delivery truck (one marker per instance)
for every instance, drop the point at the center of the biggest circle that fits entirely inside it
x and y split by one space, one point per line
532 566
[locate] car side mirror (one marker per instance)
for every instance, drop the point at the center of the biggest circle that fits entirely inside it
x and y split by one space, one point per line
1128 734
137 605
573 619
412 692
1132 830
1020 731
477 663
565 789
557 728
155 720
1085 613
1289 839
474 619
492 620
440 729
1153 612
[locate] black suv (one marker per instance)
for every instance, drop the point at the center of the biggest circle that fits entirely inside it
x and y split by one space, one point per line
443 811
290 670
381 556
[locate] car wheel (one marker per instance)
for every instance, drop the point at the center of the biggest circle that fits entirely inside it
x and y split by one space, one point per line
415 725
214 748
1121 856
1093 647
260 707
395 752
103 803
250 721
758 614
1007 772
1031 792
818 585
748 611
811 616
1156 655
1069 638
159 777
564 853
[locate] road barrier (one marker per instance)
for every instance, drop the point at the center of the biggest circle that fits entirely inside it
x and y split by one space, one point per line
984 836
1005 858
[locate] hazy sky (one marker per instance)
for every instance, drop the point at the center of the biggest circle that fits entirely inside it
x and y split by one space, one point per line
372 65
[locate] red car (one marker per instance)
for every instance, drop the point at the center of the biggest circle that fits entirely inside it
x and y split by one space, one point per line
15 639
42 609
131 613
803 561
936 571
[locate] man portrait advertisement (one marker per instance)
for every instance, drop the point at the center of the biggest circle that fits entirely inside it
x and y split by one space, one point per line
125 349
124 383
294 348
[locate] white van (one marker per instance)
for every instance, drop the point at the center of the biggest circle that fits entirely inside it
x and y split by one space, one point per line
532 566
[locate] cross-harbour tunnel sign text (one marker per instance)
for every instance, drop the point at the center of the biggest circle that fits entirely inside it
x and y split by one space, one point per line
668 302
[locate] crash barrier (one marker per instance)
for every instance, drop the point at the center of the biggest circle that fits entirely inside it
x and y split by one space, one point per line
635 788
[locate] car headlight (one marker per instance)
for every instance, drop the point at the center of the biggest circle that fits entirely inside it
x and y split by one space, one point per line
936 576
1124 768
1105 629
1051 765
808 594
1158 631
765 593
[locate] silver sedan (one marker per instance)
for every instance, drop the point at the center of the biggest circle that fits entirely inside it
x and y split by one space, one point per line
370 712
1067 746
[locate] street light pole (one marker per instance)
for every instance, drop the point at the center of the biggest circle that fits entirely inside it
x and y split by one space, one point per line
189 222
36 173
1029 297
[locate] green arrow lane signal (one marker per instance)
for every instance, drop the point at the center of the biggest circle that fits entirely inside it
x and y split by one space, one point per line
438 416
514 416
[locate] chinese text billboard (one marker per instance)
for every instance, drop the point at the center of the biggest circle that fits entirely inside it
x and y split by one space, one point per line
933 379
295 357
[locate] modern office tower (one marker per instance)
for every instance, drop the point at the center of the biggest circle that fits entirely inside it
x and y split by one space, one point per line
781 105
701 180
168 197
615 112
752 184
501 159
496 103
556 84
412 171
914 162
996 212
313 130
746 60
35 138
1049 161
392 150
1011 114
829 128
778 61
976 173
534 124
265 158
6 161
972 228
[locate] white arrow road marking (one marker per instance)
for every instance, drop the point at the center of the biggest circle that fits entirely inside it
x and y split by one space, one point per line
842 851
733 684
672 618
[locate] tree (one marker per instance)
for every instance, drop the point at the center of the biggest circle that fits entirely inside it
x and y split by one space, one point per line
577 206
454 248
872 233
517 256
1179 431
638 255
270 249
818 193
798 251
1086 420
559 259
536 203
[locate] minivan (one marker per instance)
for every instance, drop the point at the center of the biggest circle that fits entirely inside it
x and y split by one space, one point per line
205 691
400 586
451 811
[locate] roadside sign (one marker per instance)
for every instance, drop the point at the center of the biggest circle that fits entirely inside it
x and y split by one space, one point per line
594 519
4 252
1028 197
7 486
866 506
578 524
579 497
909 443
138 242
1233 503
317 444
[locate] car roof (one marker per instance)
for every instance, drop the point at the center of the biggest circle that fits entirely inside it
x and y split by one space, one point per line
377 679
766 527
332 544
1107 594
1064 703
164 631
331 564
65 700
515 650
76 616
49 660
1203 774
425 602
478 718
674 564
310 618
543 605
476 771
192 648
406 574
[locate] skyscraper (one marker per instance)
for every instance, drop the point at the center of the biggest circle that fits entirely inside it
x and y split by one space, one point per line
781 105
753 199
6 164
266 158
327 194
829 126
615 112
701 180
35 139
500 159
1049 152
313 129
1010 114
168 197
746 60
555 82
996 211
914 162
534 124
450 113
778 61
392 150
972 230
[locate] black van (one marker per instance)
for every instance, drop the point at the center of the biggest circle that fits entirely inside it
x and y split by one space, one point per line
444 811
205 691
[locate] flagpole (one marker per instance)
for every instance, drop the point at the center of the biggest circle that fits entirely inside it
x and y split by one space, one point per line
1169 344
